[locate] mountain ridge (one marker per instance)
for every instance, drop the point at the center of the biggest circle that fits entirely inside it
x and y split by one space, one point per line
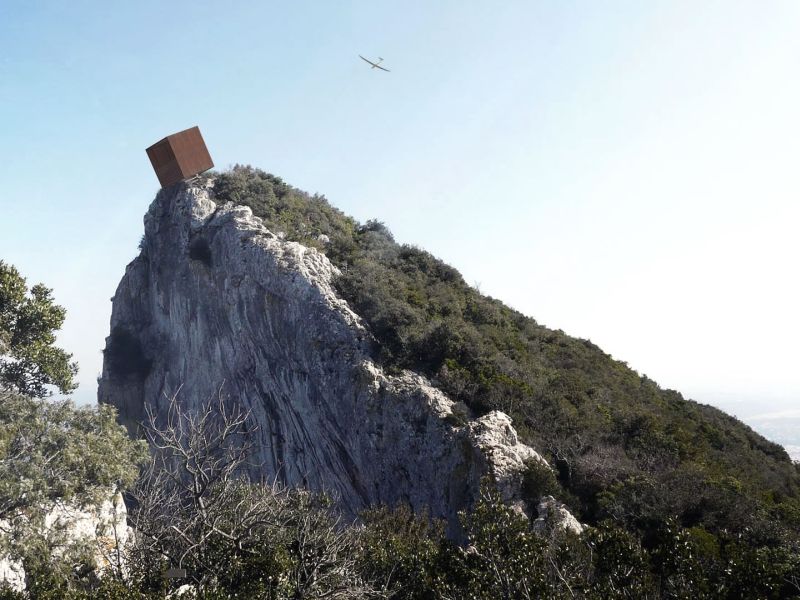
213 288
622 446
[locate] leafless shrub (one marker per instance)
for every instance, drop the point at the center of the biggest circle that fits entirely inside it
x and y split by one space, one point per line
195 508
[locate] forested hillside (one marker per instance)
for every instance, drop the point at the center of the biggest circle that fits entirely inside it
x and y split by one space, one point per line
623 448
682 500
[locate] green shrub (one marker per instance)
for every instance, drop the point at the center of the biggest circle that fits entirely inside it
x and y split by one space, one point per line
538 480
52 452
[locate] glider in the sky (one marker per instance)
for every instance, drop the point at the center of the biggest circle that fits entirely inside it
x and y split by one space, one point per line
375 65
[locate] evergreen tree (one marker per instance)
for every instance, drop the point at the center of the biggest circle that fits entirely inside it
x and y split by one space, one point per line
29 360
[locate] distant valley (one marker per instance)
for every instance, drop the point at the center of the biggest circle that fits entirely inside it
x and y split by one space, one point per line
776 419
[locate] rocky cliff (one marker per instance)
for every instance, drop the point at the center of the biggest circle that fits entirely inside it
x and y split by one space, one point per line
215 301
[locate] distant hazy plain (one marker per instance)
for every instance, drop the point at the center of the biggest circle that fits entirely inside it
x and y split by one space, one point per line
779 423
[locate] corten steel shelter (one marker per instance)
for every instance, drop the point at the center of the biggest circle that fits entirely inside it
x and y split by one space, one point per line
179 156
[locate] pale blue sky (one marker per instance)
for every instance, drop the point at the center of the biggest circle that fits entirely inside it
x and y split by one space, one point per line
624 171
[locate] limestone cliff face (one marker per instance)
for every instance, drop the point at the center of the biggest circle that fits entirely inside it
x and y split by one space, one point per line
216 301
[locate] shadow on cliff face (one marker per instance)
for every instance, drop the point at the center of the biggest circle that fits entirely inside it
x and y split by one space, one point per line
200 250
124 356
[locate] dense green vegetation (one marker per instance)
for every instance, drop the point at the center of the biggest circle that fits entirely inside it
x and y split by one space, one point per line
624 449
302 552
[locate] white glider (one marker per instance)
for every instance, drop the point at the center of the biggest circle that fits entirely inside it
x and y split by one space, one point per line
375 65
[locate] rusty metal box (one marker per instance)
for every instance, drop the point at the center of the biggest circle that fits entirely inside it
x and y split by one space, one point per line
179 156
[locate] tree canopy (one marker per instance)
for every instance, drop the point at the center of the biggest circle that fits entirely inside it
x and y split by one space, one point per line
29 359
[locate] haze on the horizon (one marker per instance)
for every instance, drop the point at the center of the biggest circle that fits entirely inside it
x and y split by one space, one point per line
626 172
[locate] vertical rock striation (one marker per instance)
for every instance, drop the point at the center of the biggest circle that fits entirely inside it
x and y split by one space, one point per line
216 301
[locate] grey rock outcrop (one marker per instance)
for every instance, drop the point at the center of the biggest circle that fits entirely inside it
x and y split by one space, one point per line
554 517
12 573
216 301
